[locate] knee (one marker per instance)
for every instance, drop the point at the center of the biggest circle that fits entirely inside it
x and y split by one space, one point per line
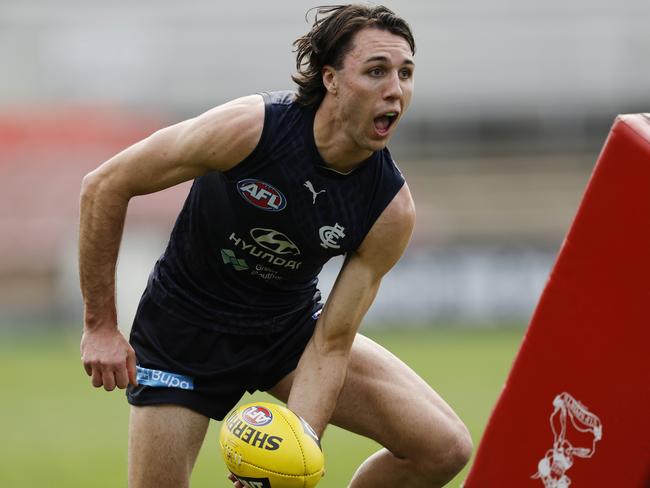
459 451
447 456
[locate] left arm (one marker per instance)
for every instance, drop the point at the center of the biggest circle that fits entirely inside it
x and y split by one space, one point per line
322 368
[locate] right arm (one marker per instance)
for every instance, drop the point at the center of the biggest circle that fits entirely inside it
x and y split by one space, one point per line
215 140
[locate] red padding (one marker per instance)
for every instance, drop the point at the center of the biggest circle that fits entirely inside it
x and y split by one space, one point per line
576 406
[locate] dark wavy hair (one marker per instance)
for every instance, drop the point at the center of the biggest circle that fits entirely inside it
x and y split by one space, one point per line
330 39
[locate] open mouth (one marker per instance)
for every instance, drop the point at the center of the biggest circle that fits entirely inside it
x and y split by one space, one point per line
384 122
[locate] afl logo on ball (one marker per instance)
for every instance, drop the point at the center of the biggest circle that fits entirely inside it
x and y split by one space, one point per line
257 416
262 195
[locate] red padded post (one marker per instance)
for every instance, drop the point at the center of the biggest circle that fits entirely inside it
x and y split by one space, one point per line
575 409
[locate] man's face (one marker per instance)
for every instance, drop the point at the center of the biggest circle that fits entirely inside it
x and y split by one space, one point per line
374 87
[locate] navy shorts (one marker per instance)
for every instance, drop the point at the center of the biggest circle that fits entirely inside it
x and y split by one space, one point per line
209 371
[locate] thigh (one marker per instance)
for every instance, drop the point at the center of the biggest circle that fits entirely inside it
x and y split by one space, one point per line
384 399
164 441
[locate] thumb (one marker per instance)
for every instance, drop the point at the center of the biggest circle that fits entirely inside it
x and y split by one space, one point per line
130 368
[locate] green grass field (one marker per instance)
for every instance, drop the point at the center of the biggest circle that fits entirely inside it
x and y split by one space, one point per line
57 431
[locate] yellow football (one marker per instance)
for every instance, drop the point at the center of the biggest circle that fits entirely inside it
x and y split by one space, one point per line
268 446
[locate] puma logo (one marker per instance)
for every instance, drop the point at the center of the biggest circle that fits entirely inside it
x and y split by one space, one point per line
315 193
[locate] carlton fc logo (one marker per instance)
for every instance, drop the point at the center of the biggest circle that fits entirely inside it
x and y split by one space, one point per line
330 235
262 195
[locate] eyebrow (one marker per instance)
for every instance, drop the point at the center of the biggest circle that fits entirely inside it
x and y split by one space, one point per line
384 59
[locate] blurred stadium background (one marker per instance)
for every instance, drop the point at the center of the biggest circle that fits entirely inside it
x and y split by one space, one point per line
513 102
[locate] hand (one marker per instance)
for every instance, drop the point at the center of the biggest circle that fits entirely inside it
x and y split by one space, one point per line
236 483
108 358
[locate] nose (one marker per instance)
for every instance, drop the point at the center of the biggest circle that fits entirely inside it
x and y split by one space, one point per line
393 89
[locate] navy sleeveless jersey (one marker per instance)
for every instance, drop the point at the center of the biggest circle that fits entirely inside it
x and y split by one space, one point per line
247 247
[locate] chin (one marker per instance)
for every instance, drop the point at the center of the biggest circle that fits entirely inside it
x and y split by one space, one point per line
371 143
377 144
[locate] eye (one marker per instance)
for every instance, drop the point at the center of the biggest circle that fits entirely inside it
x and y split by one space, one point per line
405 73
376 72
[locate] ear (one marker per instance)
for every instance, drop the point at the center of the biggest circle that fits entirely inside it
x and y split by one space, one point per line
330 79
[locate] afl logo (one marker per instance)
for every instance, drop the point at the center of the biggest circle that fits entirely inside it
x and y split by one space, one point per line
262 195
257 416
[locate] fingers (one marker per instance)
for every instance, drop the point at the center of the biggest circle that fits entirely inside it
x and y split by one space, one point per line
103 376
111 377
121 378
108 378
236 483
108 359
131 369
97 377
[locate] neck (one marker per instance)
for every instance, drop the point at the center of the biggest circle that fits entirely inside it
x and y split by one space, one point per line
337 149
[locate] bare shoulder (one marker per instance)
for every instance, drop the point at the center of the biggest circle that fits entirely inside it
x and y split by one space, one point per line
390 234
215 140
223 136
399 215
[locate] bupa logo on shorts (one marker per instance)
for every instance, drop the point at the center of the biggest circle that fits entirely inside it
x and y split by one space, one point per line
163 379
257 416
262 195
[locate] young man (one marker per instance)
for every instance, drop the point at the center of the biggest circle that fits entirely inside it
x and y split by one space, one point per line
282 182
